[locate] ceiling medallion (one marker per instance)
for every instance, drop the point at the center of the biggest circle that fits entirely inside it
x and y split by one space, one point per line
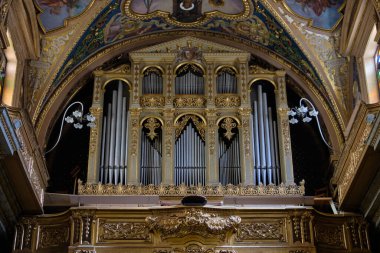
187 13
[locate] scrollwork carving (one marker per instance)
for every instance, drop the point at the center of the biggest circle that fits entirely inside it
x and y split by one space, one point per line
199 124
193 222
330 235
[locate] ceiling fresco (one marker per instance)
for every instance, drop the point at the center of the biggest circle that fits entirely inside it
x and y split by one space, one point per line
112 26
323 14
54 13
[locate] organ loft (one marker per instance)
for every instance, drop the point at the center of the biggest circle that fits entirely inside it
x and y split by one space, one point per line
189 126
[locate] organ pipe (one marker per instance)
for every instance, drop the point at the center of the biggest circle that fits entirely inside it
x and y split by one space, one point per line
189 158
151 158
114 136
229 159
265 140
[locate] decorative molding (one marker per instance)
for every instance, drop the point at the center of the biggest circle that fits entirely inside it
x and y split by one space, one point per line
229 100
183 190
193 222
152 101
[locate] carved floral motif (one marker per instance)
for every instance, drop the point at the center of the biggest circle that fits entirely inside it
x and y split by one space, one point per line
330 235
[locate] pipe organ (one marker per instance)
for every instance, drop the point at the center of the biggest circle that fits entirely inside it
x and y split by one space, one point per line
190 115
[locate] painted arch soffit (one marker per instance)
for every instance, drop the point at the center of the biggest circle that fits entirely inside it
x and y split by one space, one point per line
112 27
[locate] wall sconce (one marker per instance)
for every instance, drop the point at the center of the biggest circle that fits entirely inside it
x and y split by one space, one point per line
77 118
304 113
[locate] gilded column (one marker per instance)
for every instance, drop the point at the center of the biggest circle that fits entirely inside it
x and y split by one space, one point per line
168 150
212 171
285 147
243 84
95 136
134 140
245 146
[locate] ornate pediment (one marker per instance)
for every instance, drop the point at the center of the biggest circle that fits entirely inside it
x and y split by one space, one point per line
190 43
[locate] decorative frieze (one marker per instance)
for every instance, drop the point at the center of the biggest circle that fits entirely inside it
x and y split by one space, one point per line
183 190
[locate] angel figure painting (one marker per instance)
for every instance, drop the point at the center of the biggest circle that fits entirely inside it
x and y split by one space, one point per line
187 11
55 12
325 14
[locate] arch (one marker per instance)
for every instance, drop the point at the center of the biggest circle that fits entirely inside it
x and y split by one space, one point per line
217 69
228 116
46 109
153 66
126 81
151 116
191 113
191 63
253 81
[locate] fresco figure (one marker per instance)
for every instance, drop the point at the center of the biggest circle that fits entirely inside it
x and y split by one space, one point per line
325 14
187 11
54 12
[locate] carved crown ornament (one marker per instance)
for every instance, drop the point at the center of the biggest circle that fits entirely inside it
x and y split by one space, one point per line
193 222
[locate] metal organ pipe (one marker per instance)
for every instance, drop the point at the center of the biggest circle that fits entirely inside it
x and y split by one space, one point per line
264 138
114 137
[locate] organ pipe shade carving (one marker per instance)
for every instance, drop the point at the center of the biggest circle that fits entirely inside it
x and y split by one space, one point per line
151 152
152 81
266 161
226 81
189 80
189 157
229 153
114 144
